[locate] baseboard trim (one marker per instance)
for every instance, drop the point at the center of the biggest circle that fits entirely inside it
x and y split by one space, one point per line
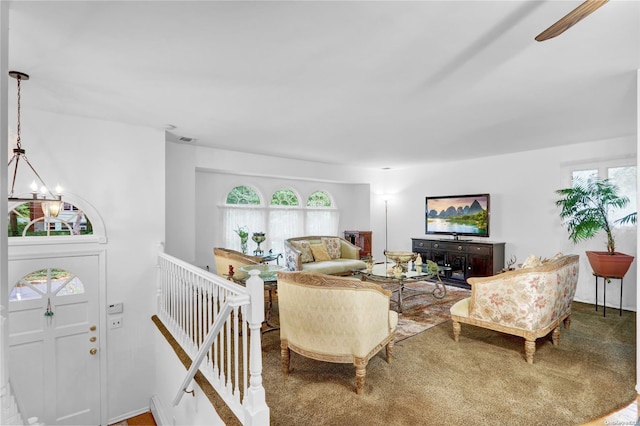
158 412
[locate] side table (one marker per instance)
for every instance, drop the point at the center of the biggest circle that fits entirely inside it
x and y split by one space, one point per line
604 301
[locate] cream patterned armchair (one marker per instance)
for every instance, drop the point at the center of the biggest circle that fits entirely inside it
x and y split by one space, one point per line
334 319
529 302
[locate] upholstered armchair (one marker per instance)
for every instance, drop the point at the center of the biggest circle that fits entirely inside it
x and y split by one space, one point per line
334 319
227 257
529 302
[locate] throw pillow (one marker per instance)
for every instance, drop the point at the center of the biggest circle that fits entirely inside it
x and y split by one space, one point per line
531 262
305 251
333 247
320 252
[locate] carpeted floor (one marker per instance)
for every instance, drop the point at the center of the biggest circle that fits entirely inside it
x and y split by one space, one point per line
482 380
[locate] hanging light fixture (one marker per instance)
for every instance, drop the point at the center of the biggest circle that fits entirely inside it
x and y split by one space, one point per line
40 193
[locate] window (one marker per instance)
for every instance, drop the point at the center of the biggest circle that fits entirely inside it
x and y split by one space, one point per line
623 176
284 217
243 195
28 220
321 217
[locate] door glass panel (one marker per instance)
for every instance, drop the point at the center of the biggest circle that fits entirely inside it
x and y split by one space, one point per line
71 286
50 281
24 291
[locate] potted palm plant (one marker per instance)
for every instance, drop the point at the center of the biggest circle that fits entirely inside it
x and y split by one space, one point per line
586 209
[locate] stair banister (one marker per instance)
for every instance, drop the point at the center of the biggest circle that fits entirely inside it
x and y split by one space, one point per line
231 303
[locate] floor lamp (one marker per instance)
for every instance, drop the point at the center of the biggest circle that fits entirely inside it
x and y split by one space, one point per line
386 232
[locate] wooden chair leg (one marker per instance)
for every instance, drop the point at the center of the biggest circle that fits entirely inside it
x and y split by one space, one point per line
529 350
567 322
361 372
390 350
555 336
456 331
285 356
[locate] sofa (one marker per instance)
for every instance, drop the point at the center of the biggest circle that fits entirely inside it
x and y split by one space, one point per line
530 302
322 254
334 319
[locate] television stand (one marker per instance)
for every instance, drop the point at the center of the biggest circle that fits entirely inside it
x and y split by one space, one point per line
465 258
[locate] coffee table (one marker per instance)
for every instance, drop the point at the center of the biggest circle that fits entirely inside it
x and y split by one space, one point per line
382 274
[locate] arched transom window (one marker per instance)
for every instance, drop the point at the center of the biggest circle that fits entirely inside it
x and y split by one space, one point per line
29 220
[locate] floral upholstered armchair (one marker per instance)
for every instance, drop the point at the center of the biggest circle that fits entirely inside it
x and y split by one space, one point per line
529 302
334 319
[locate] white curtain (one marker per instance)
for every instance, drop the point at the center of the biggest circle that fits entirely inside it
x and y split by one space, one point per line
284 223
250 218
278 223
321 221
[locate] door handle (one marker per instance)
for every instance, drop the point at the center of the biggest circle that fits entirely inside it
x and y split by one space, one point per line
93 351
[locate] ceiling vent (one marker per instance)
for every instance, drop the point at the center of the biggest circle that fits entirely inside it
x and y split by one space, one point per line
185 139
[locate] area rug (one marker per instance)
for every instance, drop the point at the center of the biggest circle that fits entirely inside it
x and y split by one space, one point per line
422 311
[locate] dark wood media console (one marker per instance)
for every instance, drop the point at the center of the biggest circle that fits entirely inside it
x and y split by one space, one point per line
465 258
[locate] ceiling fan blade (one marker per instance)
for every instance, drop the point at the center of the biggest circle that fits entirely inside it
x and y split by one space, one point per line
572 18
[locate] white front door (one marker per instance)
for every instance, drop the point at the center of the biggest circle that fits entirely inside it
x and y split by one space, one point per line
54 340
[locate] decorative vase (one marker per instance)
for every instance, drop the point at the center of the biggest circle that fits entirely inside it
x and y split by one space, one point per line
609 265
243 244
257 238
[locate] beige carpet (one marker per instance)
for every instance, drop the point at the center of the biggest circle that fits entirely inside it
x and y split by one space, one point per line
482 380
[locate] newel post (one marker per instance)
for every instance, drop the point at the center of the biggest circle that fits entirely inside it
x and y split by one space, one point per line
256 411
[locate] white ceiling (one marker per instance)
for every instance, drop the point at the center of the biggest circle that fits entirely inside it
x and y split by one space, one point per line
378 84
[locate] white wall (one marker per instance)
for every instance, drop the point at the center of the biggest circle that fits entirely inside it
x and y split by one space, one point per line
180 181
120 170
523 211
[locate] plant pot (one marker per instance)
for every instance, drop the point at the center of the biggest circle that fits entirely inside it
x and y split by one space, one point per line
609 265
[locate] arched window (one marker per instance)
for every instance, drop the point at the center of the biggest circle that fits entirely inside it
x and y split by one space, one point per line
285 217
319 199
242 215
77 221
284 197
243 195
29 220
321 216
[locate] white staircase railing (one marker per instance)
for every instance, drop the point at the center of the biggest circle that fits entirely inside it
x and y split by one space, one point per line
217 322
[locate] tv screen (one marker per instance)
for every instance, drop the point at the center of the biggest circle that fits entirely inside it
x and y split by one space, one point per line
458 215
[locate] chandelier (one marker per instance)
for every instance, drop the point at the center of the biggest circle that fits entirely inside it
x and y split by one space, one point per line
40 193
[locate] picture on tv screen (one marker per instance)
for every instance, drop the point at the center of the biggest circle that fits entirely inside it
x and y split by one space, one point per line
458 215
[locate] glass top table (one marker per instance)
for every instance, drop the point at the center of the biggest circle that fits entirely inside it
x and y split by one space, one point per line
383 274
269 276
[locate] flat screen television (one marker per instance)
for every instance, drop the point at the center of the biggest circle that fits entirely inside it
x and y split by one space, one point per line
458 215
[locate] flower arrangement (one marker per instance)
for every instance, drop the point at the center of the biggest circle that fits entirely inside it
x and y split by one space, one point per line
243 233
